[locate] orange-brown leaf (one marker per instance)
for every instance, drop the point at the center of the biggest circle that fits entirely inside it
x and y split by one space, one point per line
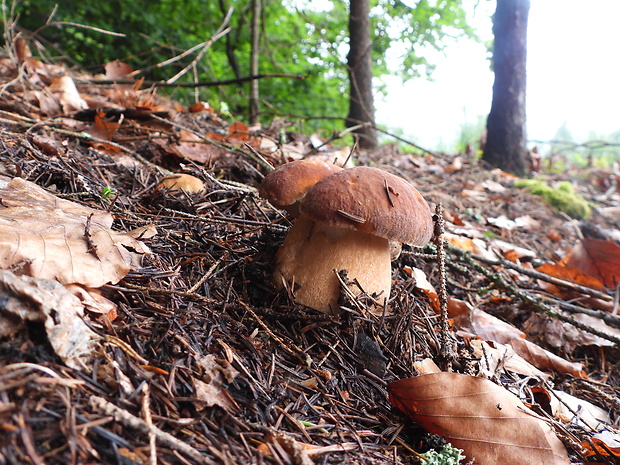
488 327
597 258
605 443
488 422
102 129
571 274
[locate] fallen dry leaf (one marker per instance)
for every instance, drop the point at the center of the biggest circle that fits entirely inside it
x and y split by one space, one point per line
495 357
94 301
192 147
475 246
209 389
198 107
566 336
571 274
68 95
102 129
422 283
50 145
45 237
286 448
504 222
605 443
581 412
488 422
488 327
237 134
544 359
512 249
597 258
26 300
48 104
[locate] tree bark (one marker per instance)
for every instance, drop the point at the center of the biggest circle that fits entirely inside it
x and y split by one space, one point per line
359 59
255 31
506 145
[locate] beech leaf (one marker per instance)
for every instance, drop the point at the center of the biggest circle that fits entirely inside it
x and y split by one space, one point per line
49 238
29 300
597 258
488 327
488 422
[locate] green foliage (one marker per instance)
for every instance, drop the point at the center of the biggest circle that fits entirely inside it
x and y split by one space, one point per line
295 39
599 151
470 133
562 197
449 455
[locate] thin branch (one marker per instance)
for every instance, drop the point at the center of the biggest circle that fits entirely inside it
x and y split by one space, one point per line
221 32
591 144
83 26
191 85
128 420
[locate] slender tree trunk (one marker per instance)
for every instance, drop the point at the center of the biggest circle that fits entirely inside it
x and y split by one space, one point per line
506 145
254 96
230 45
361 102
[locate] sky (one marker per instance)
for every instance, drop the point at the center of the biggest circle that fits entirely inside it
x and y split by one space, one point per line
573 78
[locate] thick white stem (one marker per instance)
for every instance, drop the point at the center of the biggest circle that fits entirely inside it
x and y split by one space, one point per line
312 251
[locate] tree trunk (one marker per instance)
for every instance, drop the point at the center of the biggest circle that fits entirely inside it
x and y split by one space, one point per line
255 31
361 102
506 145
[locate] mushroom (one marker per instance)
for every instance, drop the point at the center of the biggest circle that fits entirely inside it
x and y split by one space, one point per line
286 185
346 222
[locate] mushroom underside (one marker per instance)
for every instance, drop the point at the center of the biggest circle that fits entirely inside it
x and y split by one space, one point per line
312 253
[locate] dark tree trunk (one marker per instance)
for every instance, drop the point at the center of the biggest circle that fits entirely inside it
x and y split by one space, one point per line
506 132
361 102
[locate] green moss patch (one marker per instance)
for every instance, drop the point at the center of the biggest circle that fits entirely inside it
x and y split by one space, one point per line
562 197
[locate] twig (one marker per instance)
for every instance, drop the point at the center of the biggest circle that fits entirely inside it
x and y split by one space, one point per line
146 411
542 276
258 155
341 134
83 26
413 144
195 47
191 85
221 32
251 156
130 421
446 352
28 441
607 317
526 297
289 347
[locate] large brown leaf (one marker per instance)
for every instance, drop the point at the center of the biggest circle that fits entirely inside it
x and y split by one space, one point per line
46 237
488 327
488 422
597 258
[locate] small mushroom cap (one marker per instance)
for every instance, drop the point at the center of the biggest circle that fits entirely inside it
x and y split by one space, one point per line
373 201
288 183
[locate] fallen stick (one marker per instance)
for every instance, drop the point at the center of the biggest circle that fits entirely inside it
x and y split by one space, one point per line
130 421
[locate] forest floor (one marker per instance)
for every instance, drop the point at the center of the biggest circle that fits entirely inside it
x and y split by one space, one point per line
187 353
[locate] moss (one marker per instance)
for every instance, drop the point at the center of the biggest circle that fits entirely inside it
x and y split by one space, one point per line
562 197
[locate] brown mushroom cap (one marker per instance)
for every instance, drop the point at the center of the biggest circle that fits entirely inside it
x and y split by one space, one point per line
373 201
288 183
